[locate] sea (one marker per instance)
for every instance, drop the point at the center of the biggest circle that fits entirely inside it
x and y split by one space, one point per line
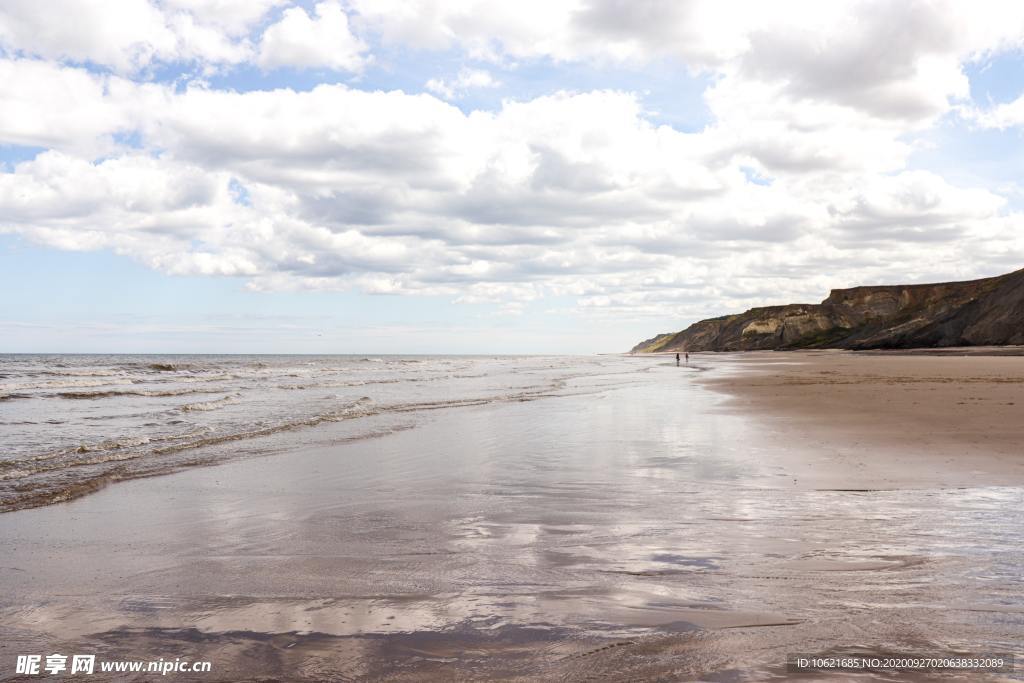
70 424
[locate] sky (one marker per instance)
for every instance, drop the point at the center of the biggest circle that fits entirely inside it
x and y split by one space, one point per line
470 176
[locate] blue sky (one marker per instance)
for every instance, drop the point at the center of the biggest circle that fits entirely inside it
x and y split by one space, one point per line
78 302
416 178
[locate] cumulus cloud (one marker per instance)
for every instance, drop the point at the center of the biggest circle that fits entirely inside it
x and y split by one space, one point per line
1000 117
912 206
799 181
234 17
131 34
893 60
301 40
87 32
467 79
572 194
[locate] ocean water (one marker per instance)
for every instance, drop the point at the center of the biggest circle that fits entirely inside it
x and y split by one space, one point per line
70 424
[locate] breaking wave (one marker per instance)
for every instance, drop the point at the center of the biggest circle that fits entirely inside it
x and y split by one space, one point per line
210 405
114 393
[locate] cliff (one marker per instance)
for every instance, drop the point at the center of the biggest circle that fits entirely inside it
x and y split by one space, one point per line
973 313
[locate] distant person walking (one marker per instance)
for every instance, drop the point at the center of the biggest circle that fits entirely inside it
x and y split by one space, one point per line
677 360
687 357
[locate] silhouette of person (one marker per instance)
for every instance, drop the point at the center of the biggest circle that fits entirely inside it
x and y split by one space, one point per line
687 357
677 360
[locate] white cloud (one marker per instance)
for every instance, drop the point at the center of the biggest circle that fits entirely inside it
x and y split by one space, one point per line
574 194
123 37
1001 116
206 43
525 29
466 79
321 42
799 181
129 35
234 17
884 59
35 109
912 206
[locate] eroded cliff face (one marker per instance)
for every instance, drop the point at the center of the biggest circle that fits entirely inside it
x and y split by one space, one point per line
976 312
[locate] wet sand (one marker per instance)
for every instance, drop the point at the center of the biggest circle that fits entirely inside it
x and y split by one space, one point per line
687 523
954 417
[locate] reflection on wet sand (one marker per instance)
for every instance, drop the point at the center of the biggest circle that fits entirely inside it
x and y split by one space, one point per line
638 533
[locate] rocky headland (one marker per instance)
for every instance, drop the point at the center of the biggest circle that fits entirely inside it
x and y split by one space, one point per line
987 312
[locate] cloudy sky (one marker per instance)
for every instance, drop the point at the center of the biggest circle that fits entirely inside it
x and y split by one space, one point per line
474 176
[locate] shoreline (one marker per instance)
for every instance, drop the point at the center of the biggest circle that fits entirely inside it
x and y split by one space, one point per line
1009 350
